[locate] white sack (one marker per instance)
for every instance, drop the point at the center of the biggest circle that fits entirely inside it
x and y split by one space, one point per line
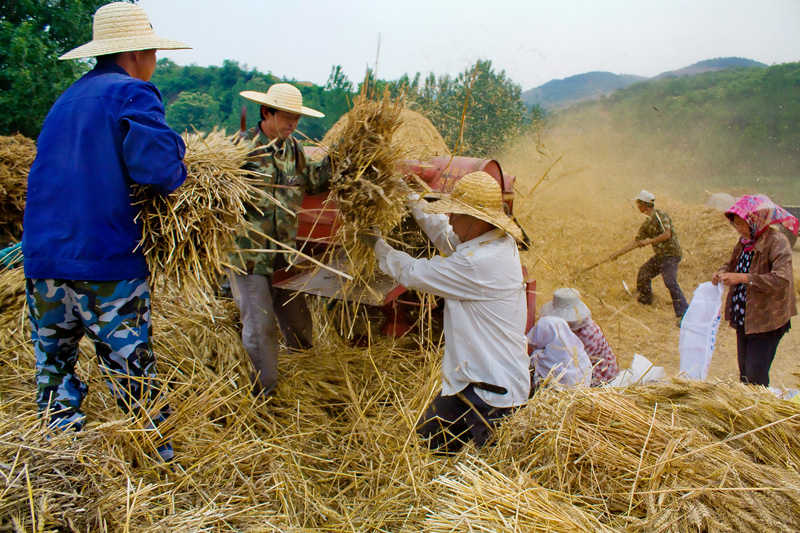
699 330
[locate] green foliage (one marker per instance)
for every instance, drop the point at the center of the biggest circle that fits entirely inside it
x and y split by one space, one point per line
182 87
741 120
490 103
197 110
33 33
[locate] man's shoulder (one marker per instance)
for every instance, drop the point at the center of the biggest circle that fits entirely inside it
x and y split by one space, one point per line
109 84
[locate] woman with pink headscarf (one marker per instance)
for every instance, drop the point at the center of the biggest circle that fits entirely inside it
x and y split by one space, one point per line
761 284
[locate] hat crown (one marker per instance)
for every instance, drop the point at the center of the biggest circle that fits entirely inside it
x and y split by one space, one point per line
282 96
646 196
120 20
566 304
286 97
566 298
479 190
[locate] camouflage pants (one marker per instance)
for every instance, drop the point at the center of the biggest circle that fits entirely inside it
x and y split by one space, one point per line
116 317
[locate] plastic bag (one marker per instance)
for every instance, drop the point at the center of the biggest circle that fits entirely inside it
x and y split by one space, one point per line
640 372
699 330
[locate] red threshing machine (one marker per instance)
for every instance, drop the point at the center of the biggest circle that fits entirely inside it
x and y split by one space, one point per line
317 225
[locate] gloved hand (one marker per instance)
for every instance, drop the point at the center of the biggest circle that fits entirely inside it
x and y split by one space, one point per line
402 186
370 237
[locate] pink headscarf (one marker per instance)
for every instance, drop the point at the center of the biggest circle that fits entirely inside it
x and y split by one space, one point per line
760 213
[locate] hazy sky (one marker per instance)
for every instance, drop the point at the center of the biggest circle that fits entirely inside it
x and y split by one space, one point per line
532 40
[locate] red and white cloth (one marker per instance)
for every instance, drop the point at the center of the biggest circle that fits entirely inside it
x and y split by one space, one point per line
604 362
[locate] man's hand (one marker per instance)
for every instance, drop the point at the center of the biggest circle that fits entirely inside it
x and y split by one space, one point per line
370 237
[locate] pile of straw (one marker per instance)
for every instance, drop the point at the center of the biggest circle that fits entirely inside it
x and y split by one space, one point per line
642 458
416 137
189 234
334 449
17 153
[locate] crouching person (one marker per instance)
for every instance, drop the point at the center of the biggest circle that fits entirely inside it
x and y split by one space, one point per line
479 275
567 304
84 269
557 355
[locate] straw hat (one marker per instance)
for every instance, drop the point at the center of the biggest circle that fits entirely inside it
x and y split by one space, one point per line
646 197
566 304
283 96
479 195
121 27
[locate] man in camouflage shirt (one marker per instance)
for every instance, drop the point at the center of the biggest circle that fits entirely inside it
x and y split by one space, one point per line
658 231
288 176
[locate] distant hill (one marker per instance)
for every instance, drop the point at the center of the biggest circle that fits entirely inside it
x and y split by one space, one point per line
710 65
562 93
557 94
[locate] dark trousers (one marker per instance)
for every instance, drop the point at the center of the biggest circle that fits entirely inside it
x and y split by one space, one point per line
667 267
755 354
449 422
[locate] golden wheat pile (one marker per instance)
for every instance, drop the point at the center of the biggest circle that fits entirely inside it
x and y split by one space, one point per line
17 153
188 235
415 136
334 448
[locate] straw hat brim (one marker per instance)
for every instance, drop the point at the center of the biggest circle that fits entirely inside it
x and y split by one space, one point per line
448 204
571 313
123 44
261 98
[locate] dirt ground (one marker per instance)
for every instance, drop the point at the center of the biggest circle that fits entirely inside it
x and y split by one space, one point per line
581 211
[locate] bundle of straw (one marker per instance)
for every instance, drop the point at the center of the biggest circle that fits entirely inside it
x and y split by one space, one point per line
189 234
17 153
477 497
416 137
366 182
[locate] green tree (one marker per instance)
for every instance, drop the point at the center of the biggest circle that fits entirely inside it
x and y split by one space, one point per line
33 33
490 104
192 111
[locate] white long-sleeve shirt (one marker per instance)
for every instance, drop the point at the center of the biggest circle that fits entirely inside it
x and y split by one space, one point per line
484 306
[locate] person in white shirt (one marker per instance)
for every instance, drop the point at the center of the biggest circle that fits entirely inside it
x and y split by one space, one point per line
485 366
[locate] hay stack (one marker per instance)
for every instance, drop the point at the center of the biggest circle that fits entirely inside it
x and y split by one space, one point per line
189 234
649 464
334 450
416 137
17 153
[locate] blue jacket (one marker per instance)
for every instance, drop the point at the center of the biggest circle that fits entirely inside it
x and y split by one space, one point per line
105 133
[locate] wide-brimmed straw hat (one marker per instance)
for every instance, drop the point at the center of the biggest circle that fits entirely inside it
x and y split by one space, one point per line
566 304
479 195
283 96
122 27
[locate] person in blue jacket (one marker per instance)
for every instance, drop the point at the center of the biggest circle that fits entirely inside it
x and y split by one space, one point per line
85 274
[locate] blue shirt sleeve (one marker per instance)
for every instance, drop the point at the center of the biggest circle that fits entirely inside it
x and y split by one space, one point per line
152 151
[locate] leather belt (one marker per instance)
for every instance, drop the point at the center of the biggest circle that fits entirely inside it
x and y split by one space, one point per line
488 387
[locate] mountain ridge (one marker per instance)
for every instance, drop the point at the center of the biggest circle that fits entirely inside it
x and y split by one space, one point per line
558 94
